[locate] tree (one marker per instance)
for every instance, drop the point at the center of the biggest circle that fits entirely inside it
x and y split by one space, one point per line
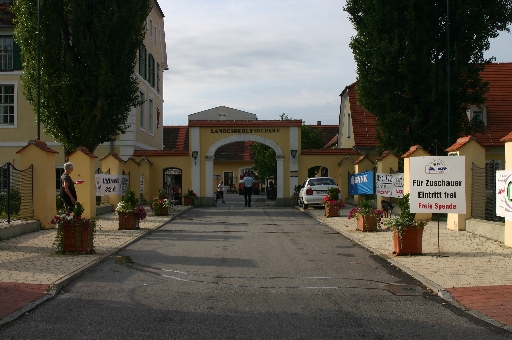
401 53
265 157
88 56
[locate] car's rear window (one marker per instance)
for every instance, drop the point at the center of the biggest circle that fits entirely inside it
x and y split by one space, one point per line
321 181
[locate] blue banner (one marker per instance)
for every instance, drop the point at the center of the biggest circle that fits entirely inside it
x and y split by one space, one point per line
361 183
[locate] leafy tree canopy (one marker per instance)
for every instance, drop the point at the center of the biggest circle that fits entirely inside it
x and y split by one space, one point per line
401 53
88 56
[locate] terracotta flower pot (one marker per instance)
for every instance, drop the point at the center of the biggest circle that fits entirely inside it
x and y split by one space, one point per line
332 211
77 240
367 223
188 201
127 221
409 242
161 211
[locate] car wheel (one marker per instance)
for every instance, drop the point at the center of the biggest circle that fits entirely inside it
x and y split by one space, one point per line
305 206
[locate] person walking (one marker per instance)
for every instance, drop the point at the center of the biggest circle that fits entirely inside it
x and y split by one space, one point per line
248 181
220 192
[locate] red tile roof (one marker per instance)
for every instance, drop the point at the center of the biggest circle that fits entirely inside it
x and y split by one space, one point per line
499 104
40 144
328 132
85 151
176 138
507 138
115 155
499 109
363 122
460 142
412 149
385 154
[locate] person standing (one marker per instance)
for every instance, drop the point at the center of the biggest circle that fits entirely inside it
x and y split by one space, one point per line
248 181
67 187
220 192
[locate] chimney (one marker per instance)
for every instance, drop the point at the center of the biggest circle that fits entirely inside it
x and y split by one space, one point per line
318 122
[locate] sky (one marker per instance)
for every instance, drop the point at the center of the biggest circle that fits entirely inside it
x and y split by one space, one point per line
266 57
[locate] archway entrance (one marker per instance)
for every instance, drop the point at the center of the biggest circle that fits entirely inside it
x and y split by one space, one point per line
280 135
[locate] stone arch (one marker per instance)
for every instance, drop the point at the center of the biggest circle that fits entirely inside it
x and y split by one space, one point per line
242 138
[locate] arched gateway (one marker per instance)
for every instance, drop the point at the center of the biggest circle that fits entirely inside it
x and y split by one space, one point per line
206 136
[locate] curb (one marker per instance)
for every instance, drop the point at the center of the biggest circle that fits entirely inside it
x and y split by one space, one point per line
441 292
59 284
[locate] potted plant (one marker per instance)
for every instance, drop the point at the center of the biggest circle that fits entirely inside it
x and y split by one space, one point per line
295 195
161 203
332 202
129 211
74 233
189 198
407 230
368 218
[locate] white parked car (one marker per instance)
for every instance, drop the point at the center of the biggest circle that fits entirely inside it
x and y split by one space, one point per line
314 190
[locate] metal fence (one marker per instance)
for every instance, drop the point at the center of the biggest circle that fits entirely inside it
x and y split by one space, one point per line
16 194
483 192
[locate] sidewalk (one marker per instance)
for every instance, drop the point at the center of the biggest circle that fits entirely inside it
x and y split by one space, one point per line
31 272
470 271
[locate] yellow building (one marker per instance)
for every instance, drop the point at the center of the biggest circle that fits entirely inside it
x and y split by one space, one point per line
18 117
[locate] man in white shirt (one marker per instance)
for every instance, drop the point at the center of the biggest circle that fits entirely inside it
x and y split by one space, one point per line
248 181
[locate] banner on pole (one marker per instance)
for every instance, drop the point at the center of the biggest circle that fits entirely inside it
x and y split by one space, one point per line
389 185
361 183
107 185
504 194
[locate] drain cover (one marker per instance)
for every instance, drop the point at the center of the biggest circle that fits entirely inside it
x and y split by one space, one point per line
404 289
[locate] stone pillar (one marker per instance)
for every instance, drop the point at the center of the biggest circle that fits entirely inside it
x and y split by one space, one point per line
386 162
414 151
145 178
346 167
473 153
114 163
84 166
508 166
132 166
42 158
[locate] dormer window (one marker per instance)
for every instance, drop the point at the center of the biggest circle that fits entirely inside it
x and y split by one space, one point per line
479 112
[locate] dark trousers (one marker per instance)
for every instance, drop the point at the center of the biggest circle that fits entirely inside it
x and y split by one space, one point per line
247 195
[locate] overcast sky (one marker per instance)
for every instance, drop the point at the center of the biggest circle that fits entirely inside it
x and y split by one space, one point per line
265 57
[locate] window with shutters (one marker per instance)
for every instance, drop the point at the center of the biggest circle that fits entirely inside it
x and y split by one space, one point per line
10 57
158 78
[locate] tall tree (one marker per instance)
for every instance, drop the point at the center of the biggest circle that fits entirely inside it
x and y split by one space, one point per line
401 53
265 157
88 54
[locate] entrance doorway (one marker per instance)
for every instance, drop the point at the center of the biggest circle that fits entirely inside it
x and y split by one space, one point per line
173 183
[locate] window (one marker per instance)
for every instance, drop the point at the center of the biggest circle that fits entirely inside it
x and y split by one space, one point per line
6 53
158 78
478 112
155 35
150 116
143 61
151 28
349 124
151 71
7 105
142 112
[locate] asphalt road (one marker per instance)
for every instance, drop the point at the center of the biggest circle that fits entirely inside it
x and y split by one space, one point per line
230 272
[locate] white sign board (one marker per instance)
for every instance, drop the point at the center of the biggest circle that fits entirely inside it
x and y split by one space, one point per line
504 194
107 185
438 184
389 185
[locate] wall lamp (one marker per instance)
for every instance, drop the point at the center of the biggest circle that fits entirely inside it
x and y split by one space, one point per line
194 155
293 153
